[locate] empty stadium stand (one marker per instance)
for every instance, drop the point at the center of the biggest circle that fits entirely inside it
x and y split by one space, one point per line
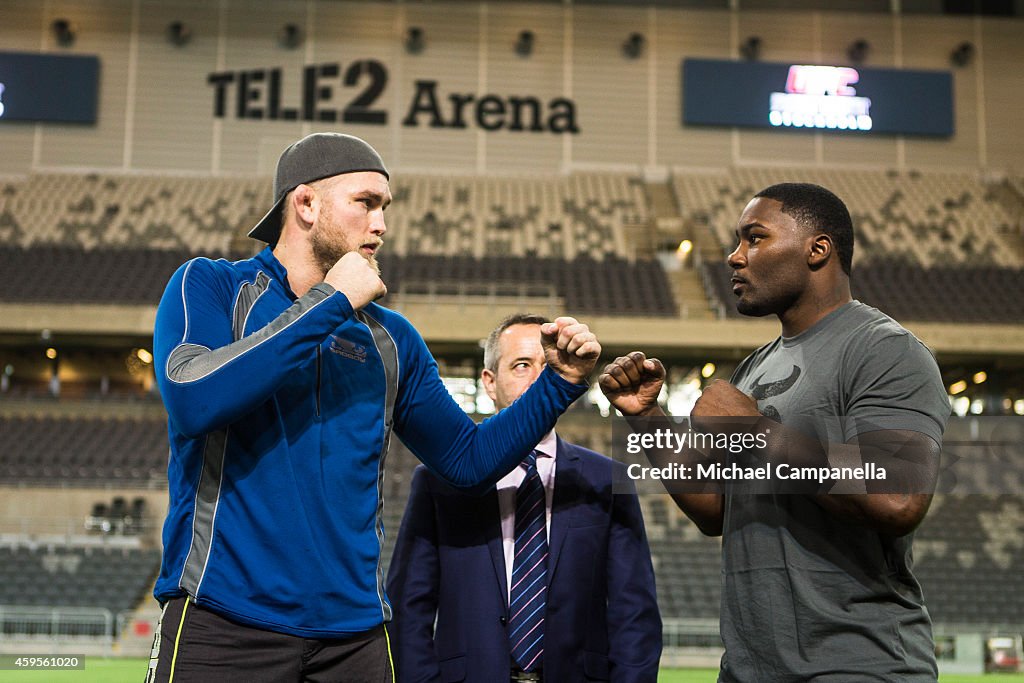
93 211
559 216
110 579
929 244
77 239
86 451
687 564
968 554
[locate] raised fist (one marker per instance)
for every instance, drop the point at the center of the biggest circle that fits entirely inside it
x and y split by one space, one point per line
570 348
632 384
357 278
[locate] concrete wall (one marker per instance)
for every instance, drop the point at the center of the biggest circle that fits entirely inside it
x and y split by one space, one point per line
156 111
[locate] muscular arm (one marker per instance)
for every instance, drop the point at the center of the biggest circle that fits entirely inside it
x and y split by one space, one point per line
910 456
703 509
632 384
459 451
893 506
207 378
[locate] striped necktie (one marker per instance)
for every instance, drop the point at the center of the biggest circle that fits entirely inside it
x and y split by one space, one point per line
528 596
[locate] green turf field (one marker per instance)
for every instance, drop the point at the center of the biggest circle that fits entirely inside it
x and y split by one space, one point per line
99 670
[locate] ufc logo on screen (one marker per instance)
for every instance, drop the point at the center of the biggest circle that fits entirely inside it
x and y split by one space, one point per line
821 80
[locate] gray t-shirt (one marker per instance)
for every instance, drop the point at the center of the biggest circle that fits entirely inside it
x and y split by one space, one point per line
808 596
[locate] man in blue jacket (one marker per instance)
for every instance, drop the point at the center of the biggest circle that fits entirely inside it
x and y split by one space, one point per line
482 596
283 383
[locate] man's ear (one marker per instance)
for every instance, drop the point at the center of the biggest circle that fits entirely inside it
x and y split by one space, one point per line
304 202
488 378
821 251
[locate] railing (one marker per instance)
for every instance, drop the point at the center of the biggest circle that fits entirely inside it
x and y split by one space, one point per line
691 642
691 633
59 623
539 297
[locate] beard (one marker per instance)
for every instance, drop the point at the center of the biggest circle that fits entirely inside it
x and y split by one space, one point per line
328 248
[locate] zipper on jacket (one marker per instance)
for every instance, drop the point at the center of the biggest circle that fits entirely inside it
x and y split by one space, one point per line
318 371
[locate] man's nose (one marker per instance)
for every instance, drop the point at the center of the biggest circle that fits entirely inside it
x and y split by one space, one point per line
377 224
737 259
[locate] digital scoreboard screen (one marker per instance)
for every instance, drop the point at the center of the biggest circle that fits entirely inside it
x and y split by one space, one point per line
817 97
39 87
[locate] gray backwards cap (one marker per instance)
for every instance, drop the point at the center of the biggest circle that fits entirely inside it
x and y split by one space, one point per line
316 156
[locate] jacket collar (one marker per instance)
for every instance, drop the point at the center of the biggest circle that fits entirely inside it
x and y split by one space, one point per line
275 269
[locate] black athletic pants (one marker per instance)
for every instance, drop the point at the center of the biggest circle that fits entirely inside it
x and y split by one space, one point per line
195 645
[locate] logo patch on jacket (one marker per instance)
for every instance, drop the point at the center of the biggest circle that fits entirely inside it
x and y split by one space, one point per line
343 347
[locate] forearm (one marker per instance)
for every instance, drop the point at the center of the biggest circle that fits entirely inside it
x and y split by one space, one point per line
703 509
895 504
467 455
206 387
887 513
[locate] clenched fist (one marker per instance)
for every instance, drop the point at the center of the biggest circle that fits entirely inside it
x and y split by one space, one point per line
632 384
357 278
570 348
721 399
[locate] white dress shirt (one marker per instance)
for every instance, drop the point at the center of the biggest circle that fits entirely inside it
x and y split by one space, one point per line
507 487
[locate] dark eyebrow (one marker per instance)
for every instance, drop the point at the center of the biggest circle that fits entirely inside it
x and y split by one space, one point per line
374 195
747 228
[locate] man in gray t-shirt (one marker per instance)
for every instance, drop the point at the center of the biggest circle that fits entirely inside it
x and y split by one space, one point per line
816 586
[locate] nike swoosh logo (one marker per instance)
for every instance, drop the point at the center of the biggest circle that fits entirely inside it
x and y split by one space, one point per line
762 391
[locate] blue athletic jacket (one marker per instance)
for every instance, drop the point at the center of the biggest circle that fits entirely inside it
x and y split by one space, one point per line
280 410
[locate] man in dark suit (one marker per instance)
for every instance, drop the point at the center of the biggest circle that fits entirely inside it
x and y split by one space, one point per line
480 594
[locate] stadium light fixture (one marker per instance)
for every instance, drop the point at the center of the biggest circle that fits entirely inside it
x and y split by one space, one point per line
524 43
64 32
858 51
750 49
633 46
962 54
980 377
51 353
290 36
144 355
957 387
960 405
708 370
179 33
415 40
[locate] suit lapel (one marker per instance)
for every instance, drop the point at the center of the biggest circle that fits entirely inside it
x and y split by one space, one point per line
567 473
494 543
